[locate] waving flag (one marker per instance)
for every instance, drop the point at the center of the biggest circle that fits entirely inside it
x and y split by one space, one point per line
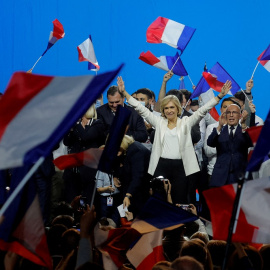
215 79
157 215
253 224
37 111
89 157
55 35
262 147
22 230
175 34
147 251
87 53
264 59
165 62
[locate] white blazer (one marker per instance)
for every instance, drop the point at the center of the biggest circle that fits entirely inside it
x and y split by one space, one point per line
183 128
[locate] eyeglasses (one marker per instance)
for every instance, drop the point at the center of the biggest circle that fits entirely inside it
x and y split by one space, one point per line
233 113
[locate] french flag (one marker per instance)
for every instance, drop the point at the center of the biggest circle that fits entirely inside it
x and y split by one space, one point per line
158 215
264 59
22 230
147 251
165 62
57 33
87 53
175 34
215 79
37 111
253 225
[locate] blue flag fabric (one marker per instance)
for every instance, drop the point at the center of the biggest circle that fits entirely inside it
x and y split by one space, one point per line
266 54
262 147
115 138
158 214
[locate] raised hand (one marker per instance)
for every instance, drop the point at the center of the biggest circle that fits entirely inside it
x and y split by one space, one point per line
121 85
167 76
222 121
249 85
225 89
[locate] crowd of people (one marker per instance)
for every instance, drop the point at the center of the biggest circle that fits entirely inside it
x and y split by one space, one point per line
172 149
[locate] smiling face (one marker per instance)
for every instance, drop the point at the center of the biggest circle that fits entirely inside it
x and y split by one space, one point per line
114 101
170 111
233 115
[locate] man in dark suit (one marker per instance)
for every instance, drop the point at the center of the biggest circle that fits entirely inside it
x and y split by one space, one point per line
107 111
232 143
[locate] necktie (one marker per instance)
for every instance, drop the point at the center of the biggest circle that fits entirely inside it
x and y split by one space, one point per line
231 132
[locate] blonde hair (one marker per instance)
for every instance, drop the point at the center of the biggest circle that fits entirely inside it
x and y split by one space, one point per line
175 101
91 112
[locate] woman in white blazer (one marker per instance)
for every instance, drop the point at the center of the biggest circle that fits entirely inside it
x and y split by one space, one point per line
173 154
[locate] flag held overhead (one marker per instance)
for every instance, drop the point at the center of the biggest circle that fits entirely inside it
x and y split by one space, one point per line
175 34
165 63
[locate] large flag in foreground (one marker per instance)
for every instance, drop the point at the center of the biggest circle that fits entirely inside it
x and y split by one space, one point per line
158 214
253 225
215 79
165 62
57 33
264 58
175 34
87 53
22 230
37 111
262 147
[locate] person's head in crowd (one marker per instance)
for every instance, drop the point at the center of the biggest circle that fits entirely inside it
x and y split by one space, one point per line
70 241
233 114
254 257
66 220
162 265
144 95
91 112
54 238
217 251
63 208
185 102
134 95
176 93
186 263
194 105
170 107
126 142
115 98
239 97
200 235
225 103
265 254
194 249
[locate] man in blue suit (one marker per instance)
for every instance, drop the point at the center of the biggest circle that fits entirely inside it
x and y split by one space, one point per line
232 143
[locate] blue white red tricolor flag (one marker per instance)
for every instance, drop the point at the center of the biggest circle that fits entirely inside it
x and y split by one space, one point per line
175 34
87 53
147 251
215 79
264 58
22 230
165 62
57 33
149 219
37 111
253 225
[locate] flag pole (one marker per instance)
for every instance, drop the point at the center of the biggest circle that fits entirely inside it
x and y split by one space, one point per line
35 63
190 80
93 195
255 70
234 217
20 186
175 63
245 94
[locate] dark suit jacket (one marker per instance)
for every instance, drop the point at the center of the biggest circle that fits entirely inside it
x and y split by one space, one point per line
136 123
231 154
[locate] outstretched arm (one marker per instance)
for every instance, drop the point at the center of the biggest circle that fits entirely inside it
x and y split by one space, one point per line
121 88
162 91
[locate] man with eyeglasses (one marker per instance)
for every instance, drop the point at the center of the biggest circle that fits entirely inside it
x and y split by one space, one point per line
232 143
